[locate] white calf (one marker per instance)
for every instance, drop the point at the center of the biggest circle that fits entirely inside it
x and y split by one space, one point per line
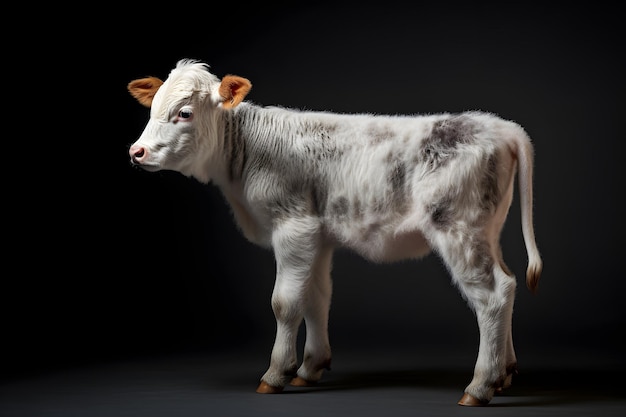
389 187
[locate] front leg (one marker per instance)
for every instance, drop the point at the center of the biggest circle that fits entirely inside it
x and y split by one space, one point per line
317 354
296 245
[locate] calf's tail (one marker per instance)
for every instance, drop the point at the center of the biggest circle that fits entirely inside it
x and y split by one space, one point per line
525 158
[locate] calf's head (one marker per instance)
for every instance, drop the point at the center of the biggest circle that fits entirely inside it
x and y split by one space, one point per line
183 130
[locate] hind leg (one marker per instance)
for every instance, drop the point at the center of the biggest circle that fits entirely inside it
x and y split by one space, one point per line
489 292
495 359
511 358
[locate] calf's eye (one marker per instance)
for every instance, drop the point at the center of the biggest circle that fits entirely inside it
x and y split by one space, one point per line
185 114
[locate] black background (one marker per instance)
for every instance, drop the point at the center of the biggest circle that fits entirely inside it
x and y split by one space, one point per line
104 261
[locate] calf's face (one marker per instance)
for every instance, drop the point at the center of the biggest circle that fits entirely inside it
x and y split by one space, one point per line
184 118
166 144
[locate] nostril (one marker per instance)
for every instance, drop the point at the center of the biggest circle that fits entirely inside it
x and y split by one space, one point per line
137 153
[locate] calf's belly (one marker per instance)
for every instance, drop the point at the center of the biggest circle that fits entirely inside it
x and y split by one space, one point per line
391 247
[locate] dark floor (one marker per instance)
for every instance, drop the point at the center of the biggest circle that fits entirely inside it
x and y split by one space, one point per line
373 383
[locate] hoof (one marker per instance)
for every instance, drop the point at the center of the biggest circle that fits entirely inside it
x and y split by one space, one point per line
301 382
265 388
469 401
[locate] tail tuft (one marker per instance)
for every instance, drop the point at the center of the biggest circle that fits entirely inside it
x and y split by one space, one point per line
533 273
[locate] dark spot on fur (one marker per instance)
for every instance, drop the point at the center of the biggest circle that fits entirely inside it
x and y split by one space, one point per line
234 145
397 180
294 204
481 259
479 264
317 129
339 207
379 134
319 197
320 145
456 129
397 176
378 205
357 209
441 213
440 146
489 184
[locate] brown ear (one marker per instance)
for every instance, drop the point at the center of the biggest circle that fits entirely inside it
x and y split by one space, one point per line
144 89
233 90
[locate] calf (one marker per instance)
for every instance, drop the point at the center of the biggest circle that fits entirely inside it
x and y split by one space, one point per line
304 183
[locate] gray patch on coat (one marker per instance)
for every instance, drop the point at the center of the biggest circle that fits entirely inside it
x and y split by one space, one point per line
317 129
481 258
489 184
377 205
339 207
258 161
260 151
440 146
441 213
234 150
397 177
481 263
319 198
318 140
298 195
357 209
378 134
475 260
293 202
